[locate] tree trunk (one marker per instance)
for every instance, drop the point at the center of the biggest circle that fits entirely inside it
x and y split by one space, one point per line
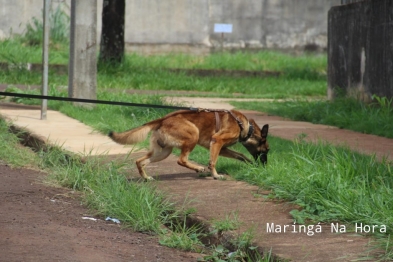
112 34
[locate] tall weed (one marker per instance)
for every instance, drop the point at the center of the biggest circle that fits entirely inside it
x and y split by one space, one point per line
59 28
11 151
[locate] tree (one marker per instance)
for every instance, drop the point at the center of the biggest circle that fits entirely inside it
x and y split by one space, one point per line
112 33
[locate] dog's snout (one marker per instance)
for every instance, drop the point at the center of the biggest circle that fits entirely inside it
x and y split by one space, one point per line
261 158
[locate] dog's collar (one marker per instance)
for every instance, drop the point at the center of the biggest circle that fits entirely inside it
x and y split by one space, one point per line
250 132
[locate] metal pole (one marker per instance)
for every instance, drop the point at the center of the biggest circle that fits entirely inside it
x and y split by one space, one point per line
71 62
45 59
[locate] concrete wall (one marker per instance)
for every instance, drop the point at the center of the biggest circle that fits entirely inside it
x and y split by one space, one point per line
171 25
187 25
273 23
360 51
14 15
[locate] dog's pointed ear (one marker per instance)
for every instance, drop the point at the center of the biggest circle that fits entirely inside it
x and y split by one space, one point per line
265 130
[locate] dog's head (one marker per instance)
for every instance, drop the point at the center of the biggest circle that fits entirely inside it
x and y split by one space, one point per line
257 144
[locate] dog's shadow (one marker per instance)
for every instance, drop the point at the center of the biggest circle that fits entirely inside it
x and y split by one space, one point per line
183 176
174 177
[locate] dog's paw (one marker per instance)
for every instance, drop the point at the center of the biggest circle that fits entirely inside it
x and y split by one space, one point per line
219 177
200 169
149 178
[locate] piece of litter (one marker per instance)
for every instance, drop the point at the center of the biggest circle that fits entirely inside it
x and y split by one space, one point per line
115 220
90 218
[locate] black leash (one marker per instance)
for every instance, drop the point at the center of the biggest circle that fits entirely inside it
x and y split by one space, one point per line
91 101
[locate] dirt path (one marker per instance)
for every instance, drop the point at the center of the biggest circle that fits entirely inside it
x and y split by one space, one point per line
215 200
41 223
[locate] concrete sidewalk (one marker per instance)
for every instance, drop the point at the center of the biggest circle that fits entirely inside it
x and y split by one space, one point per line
61 130
212 199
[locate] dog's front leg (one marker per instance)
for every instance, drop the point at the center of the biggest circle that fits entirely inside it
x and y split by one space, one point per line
233 154
215 148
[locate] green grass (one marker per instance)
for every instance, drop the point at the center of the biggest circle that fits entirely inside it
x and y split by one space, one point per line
329 183
150 78
12 152
163 80
183 236
230 222
301 75
375 118
244 251
303 66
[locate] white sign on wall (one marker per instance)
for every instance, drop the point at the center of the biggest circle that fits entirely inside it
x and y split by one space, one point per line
222 28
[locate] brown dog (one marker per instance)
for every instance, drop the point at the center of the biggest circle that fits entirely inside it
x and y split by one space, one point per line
215 130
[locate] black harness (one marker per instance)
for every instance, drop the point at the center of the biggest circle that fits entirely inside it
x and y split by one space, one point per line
240 123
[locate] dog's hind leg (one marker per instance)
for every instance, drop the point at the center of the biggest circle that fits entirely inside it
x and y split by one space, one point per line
183 160
141 163
154 155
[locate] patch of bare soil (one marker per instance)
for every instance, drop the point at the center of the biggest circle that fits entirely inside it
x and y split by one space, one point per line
41 223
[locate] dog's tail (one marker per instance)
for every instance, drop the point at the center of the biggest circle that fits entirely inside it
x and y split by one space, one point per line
132 136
